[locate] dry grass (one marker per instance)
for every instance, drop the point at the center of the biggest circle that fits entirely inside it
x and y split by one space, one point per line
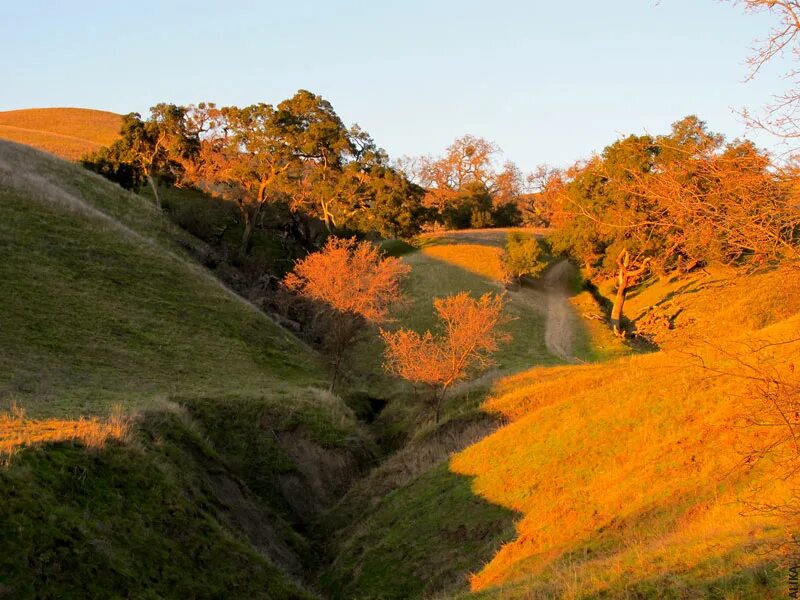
66 132
17 431
478 251
631 472
481 260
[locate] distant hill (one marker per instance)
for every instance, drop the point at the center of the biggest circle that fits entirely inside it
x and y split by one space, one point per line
66 132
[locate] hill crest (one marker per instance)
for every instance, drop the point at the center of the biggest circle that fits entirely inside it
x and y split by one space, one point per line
66 132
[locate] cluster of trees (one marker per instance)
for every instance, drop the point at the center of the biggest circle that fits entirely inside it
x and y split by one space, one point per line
675 202
298 154
153 151
469 187
682 200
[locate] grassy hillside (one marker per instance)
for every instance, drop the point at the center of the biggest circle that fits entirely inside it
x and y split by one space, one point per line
165 436
412 517
109 310
631 476
161 437
66 132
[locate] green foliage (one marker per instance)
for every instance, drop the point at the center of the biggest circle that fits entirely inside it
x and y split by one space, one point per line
110 163
144 519
396 247
153 149
392 206
681 200
523 255
507 215
470 207
480 219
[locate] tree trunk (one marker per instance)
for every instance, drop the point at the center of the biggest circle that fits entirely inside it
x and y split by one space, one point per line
327 216
244 247
437 407
154 186
626 277
334 374
616 311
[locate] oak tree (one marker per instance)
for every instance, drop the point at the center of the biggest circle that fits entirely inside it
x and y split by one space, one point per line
464 179
629 271
148 150
244 157
329 179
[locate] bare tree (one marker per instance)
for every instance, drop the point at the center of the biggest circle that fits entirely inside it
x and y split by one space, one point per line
469 160
468 335
779 117
769 419
355 284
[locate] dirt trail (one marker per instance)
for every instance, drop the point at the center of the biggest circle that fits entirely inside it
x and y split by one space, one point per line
550 296
561 324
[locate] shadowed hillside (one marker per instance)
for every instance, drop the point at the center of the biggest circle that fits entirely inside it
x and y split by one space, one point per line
210 441
66 132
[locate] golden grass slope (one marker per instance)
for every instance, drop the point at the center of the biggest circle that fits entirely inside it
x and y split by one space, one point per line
66 132
479 251
632 476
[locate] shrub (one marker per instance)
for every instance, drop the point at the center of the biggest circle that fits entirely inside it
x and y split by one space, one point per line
523 256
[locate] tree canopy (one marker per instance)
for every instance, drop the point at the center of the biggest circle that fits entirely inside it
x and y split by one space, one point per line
682 199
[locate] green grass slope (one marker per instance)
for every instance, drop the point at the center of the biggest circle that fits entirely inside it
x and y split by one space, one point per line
204 496
101 307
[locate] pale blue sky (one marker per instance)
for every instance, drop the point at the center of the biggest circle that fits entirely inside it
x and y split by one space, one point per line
548 81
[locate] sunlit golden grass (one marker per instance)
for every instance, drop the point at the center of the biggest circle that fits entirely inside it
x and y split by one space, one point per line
715 303
478 259
635 458
17 431
632 472
496 236
66 132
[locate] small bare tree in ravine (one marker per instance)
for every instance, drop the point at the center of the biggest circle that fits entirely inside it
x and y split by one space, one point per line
354 284
468 334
